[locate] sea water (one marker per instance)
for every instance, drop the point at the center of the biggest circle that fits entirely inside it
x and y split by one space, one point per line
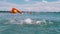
34 23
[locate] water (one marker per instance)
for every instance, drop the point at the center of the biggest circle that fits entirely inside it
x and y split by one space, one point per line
35 23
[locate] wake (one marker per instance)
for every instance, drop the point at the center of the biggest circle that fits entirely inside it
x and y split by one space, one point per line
28 21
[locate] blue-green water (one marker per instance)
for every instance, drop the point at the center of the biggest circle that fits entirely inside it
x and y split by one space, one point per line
35 23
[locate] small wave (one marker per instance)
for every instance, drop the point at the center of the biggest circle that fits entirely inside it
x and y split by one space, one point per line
29 21
2 28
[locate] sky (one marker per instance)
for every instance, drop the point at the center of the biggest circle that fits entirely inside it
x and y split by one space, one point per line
31 5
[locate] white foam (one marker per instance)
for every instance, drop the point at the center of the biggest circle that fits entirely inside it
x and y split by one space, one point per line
38 22
28 21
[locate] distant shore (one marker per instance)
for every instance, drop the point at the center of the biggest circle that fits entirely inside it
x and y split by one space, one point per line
27 12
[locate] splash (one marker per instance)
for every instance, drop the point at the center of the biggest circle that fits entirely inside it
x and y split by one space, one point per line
29 21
